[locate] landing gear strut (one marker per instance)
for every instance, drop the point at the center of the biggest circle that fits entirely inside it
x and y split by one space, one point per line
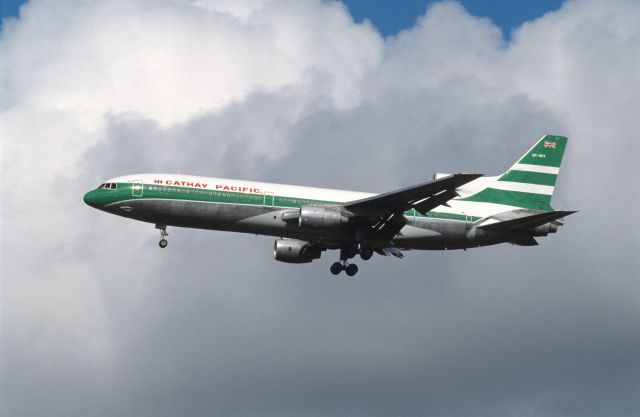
350 269
163 233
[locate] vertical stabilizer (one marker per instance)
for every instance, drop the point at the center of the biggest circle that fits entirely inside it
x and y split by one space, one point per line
530 182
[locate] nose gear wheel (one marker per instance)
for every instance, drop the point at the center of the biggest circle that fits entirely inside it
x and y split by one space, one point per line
163 233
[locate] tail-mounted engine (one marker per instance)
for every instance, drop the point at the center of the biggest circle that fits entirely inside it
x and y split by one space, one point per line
295 251
322 217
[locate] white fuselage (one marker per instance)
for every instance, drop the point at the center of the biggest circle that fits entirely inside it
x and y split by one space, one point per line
261 208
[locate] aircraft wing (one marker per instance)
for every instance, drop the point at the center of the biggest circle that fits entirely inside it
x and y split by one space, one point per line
422 197
384 212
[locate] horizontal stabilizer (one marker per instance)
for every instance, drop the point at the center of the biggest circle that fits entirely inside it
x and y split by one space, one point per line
522 222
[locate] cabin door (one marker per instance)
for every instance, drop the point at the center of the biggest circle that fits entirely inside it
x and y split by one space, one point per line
268 199
137 189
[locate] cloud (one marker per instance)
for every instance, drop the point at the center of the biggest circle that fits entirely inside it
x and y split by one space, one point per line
97 321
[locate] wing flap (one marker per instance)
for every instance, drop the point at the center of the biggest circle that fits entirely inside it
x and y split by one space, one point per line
426 205
390 251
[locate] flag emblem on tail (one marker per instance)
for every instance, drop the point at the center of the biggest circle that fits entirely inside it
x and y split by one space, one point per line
549 144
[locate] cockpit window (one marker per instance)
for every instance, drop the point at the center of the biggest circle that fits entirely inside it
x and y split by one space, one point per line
109 186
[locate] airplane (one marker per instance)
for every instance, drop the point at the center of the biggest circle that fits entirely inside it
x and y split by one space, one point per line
452 211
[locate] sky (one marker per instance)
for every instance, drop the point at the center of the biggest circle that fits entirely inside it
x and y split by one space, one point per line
96 320
390 16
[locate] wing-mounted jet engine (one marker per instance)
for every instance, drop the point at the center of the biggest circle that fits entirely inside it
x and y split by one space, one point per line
295 251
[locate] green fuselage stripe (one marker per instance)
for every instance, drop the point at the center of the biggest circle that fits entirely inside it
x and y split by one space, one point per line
528 177
165 192
227 197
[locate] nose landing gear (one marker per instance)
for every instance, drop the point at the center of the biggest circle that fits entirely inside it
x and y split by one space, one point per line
163 233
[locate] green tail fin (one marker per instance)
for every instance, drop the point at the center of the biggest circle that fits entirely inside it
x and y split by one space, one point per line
530 182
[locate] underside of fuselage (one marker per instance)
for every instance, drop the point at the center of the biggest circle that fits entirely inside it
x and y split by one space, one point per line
419 232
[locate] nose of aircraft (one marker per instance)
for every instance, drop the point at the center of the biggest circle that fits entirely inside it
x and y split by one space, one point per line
90 198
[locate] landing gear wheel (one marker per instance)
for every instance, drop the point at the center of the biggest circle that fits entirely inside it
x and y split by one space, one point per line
351 269
366 254
163 233
336 268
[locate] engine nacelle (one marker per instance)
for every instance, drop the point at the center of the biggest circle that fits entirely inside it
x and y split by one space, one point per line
295 251
322 217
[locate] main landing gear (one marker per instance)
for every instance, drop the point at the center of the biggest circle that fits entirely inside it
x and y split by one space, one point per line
366 254
163 233
347 253
350 269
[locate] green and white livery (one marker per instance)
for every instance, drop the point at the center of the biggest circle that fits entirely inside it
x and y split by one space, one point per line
457 211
